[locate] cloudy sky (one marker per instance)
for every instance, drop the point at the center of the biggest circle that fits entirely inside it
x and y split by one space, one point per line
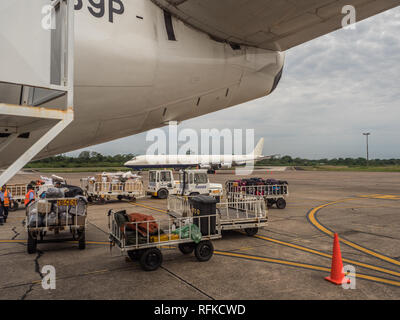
333 89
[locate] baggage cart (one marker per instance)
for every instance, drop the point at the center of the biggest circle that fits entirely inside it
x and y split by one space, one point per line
55 215
240 212
134 238
18 192
273 194
100 192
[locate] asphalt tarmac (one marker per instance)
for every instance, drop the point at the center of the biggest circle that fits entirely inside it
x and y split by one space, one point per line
288 259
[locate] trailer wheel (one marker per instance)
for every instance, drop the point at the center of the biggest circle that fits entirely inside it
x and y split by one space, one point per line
251 231
270 203
162 194
135 255
32 244
82 239
151 259
186 248
281 203
13 206
204 251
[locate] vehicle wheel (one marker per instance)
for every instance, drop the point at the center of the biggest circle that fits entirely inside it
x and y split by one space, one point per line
251 231
120 198
32 244
13 206
135 255
90 199
162 194
204 251
269 203
186 248
82 239
151 259
281 203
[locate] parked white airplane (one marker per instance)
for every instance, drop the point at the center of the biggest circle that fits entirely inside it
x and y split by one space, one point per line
211 162
140 64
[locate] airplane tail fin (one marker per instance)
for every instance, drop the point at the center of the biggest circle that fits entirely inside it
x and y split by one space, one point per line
259 148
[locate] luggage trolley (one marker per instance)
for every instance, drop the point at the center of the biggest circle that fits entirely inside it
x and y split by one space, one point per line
18 192
190 234
101 192
240 212
45 215
271 193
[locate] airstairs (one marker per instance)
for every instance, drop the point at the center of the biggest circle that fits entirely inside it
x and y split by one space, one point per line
36 78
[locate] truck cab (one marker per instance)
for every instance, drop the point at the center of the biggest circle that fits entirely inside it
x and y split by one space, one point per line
161 183
190 183
195 182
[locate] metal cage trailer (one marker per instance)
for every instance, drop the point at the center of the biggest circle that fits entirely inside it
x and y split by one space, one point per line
241 212
101 192
136 240
274 194
47 215
18 192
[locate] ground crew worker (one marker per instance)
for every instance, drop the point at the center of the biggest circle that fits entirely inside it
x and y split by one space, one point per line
6 198
30 195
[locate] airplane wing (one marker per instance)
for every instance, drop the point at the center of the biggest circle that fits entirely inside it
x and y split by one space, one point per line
270 24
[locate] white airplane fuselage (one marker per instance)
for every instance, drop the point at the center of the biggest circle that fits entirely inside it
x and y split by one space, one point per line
129 78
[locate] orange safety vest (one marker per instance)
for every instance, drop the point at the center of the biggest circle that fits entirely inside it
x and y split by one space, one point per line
27 196
6 199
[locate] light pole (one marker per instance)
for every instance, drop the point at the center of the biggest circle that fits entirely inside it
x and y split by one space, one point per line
367 134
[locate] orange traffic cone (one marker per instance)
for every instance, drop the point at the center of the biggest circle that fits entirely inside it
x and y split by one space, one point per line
337 274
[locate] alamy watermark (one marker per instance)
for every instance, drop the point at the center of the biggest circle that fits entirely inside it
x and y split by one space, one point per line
349 281
196 148
350 17
49 277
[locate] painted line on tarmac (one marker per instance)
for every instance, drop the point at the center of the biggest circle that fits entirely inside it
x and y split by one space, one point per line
259 259
323 254
326 255
148 207
312 218
87 242
303 266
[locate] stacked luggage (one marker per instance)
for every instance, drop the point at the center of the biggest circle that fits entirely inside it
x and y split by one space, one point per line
273 191
58 207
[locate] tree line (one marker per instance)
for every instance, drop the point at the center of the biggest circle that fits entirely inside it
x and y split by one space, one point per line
83 160
95 159
351 162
